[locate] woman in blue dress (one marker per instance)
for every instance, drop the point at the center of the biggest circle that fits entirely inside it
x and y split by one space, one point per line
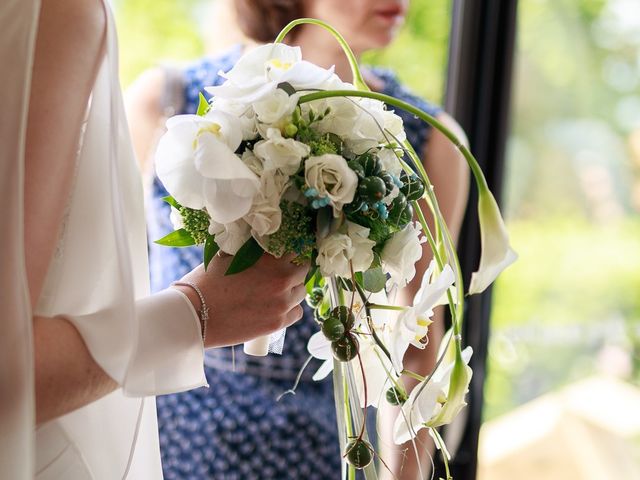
242 427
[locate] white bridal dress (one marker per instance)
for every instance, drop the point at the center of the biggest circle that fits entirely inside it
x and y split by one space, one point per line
97 279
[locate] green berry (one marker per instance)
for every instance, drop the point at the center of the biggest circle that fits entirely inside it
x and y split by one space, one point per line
315 297
356 167
371 164
346 348
400 212
412 187
372 189
387 178
359 453
333 329
345 316
318 315
290 130
396 396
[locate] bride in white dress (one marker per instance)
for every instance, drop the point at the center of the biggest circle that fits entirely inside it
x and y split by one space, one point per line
82 343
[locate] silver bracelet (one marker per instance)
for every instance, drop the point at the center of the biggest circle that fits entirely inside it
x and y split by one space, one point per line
203 313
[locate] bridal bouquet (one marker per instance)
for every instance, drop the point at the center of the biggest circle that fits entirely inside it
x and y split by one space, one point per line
289 159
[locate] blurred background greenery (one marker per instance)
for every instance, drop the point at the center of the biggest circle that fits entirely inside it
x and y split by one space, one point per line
570 307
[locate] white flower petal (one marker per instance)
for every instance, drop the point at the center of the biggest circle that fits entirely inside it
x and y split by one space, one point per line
496 251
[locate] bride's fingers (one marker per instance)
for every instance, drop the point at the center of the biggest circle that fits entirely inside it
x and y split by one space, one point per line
294 315
298 293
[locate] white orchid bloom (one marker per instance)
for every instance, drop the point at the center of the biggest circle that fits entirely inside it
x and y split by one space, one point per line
412 324
438 402
195 160
258 72
496 251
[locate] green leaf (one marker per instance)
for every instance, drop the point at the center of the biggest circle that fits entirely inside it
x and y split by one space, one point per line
248 255
203 105
374 279
177 238
172 201
210 249
311 279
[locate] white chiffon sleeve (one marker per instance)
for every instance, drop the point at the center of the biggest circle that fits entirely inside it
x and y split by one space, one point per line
169 354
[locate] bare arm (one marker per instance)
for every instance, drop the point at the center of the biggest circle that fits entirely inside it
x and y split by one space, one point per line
450 176
145 116
65 66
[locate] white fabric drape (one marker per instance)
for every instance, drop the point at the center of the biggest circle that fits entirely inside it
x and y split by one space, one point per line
98 279
18 22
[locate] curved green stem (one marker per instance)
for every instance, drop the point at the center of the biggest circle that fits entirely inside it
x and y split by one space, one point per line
358 81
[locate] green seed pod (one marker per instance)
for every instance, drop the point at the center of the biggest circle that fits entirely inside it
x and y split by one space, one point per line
397 209
359 453
372 189
345 316
356 167
388 180
333 329
315 297
412 187
346 348
395 396
290 130
371 164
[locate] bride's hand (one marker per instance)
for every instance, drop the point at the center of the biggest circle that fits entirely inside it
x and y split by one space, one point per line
245 305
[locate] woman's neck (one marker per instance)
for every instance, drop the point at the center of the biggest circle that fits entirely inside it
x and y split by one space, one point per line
319 47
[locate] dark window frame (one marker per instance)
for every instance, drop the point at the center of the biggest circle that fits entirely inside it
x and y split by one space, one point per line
478 95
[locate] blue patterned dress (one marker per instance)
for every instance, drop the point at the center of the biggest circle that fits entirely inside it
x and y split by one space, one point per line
237 429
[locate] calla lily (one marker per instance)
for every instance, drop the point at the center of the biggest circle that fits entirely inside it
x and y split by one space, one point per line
496 251
438 402
195 160
260 71
412 324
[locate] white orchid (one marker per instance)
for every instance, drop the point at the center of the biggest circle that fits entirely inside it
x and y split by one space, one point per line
196 162
400 254
496 251
436 403
259 72
349 244
412 324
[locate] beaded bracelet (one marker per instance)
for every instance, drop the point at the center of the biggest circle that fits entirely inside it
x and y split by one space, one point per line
203 313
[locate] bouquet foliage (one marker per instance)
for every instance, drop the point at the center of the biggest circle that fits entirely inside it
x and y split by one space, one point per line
289 159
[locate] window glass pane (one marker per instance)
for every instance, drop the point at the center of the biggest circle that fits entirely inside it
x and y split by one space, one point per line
564 358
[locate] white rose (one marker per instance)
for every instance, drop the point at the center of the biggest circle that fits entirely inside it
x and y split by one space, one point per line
334 253
195 160
275 106
279 153
254 163
367 130
258 73
350 244
389 161
331 177
231 236
400 254
394 125
265 215
362 246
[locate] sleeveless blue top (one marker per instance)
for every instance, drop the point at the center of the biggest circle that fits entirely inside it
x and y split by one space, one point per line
237 428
